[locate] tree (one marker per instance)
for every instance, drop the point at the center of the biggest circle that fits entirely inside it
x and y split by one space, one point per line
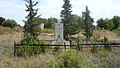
9 23
31 27
75 24
2 20
65 17
88 24
100 23
116 21
51 22
106 24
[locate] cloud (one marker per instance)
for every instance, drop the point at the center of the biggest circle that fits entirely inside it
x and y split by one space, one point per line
12 10
15 9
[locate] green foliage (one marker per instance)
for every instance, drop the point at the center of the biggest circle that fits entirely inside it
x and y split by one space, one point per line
75 24
117 30
109 24
9 23
2 20
31 25
88 24
70 59
107 47
47 30
28 39
31 29
56 50
48 23
66 17
116 21
51 23
106 24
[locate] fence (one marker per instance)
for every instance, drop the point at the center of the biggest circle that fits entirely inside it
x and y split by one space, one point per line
17 47
103 55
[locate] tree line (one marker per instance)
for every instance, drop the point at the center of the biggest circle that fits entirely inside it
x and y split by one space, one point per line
109 24
8 22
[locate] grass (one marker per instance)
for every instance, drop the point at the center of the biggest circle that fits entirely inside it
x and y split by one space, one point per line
81 59
64 59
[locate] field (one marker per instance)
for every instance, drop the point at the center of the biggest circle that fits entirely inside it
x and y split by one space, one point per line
60 59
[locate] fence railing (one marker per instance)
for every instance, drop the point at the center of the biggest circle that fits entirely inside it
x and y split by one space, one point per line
78 46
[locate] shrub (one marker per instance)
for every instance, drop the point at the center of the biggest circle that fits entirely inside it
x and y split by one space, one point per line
70 59
47 31
9 23
56 50
27 49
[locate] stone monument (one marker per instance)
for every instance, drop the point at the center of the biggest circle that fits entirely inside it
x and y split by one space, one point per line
59 31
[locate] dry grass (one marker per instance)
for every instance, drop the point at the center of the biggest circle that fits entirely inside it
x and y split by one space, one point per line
7 60
100 34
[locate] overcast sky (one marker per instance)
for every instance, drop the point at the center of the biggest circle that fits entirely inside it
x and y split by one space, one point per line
15 9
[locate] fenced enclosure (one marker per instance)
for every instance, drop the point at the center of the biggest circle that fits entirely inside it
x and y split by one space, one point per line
103 55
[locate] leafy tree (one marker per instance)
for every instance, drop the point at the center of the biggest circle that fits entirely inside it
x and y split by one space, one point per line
106 24
101 23
2 20
51 22
109 24
31 27
88 24
9 23
116 21
65 17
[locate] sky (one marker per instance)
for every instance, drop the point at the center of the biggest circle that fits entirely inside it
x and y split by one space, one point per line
15 9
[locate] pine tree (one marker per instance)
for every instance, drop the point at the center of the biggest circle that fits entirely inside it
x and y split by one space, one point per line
66 16
88 24
31 27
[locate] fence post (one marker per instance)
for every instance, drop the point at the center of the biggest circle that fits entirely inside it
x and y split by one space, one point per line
14 48
70 43
65 46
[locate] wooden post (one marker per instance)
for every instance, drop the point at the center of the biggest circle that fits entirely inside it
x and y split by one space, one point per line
65 46
14 49
70 43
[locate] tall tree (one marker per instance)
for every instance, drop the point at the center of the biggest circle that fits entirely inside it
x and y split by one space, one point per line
88 24
31 27
75 24
66 16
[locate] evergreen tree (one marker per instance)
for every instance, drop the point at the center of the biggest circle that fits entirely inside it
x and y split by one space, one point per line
88 24
75 24
31 27
65 17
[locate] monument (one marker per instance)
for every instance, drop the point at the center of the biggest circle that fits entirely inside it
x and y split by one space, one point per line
59 31
59 39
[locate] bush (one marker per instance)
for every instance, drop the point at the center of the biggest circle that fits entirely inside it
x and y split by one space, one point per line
47 31
27 49
56 50
9 23
70 59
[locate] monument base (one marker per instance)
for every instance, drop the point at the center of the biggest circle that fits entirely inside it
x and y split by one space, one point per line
63 42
